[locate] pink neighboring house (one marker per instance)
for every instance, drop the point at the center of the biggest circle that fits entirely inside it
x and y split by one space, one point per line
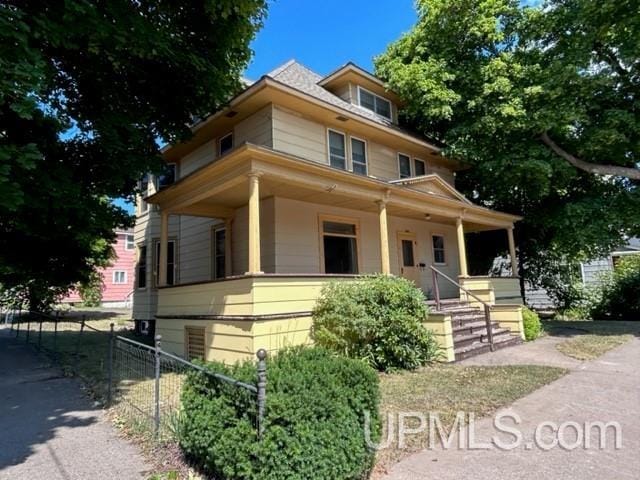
119 278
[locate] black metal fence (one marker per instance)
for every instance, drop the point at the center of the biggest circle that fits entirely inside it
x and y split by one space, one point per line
141 382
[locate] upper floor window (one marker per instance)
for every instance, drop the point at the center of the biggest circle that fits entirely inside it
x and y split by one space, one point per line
337 150
419 167
359 156
404 165
143 185
167 177
375 103
225 144
128 242
119 277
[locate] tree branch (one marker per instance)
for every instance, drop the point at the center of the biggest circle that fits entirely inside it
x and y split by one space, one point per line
597 168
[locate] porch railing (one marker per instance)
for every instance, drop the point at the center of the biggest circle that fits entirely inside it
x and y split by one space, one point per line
487 307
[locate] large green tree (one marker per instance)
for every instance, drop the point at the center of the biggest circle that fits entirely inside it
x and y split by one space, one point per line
87 90
542 102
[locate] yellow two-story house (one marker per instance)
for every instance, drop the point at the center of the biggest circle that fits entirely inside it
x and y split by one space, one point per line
299 180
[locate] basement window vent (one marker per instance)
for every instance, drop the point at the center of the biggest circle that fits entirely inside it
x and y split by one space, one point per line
194 343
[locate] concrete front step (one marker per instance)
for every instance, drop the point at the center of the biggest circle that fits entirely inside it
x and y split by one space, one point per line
464 340
503 341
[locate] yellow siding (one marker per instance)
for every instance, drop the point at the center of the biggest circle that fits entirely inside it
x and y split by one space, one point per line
274 335
440 325
383 162
256 129
509 316
198 158
299 136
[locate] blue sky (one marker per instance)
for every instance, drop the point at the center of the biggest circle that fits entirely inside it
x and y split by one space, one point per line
325 35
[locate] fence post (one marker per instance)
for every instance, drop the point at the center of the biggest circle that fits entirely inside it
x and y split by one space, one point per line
110 364
40 335
18 326
55 336
156 415
28 326
262 388
77 353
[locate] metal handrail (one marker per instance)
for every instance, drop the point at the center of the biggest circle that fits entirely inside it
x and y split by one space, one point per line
487 307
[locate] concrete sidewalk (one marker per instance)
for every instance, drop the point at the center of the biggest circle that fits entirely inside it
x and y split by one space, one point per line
606 389
49 428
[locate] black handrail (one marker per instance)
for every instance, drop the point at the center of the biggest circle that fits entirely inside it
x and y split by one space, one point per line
487 306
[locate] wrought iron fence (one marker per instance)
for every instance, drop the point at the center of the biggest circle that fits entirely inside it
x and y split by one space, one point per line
142 383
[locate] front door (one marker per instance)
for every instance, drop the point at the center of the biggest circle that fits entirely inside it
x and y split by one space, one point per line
407 257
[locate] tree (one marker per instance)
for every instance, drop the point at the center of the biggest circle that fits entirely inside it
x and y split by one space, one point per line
88 90
542 102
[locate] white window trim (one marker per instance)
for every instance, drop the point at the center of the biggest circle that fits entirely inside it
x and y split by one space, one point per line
346 148
113 277
444 249
410 165
339 219
214 230
126 242
155 262
375 95
415 159
366 154
230 134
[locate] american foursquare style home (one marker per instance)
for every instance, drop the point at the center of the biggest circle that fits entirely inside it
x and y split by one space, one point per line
300 180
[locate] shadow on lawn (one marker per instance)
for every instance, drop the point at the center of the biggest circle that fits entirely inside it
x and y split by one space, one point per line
567 328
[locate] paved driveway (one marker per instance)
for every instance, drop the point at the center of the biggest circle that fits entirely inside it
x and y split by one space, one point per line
49 429
606 389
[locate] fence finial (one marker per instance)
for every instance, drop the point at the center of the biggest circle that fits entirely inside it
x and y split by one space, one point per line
262 388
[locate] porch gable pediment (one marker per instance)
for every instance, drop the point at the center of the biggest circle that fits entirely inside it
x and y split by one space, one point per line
432 184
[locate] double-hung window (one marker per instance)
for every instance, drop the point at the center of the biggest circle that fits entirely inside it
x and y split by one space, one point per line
404 165
218 252
359 156
128 242
119 277
171 263
419 167
439 257
225 144
142 266
340 246
374 102
337 150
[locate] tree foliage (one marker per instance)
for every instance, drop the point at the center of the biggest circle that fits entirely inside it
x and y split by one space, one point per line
87 91
512 90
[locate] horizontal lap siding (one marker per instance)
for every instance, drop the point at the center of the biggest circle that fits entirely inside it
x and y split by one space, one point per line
195 248
198 158
298 136
506 290
240 238
256 129
383 162
221 298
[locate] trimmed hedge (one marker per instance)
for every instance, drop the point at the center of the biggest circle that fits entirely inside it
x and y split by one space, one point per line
532 325
377 319
314 420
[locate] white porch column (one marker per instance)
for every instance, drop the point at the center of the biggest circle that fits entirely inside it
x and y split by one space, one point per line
384 239
164 247
254 224
512 252
462 249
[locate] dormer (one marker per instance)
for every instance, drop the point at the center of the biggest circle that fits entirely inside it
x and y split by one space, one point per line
359 87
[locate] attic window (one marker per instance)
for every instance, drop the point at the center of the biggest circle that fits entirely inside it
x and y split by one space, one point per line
375 103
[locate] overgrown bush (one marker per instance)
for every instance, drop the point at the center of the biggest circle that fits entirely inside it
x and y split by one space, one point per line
620 292
377 319
314 424
91 291
532 325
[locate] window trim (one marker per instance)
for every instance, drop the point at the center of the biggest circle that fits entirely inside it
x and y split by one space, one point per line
230 134
197 329
113 277
444 248
146 266
376 96
366 154
410 165
346 149
339 219
129 246
175 176
214 230
156 262
415 170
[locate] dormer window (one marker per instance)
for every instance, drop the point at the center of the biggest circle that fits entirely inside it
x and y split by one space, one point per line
375 103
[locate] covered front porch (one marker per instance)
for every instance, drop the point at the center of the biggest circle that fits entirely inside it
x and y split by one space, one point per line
292 225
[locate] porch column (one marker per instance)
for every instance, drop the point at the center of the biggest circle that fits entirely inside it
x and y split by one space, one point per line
164 246
228 267
384 239
512 252
462 249
254 224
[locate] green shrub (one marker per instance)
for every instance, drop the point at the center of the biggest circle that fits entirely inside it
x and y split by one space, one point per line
532 325
91 291
377 319
314 419
620 293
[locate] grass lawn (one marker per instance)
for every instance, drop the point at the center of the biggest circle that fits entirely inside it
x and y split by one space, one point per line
588 340
448 389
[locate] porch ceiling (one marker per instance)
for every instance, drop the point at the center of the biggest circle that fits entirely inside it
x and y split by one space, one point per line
220 187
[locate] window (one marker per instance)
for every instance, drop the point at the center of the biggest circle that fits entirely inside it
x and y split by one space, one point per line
340 247
119 277
225 144
143 186
359 156
142 266
419 167
218 252
337 150
375 103
438 249
404 165
407 253
194 342
167 177
171 265
128 242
